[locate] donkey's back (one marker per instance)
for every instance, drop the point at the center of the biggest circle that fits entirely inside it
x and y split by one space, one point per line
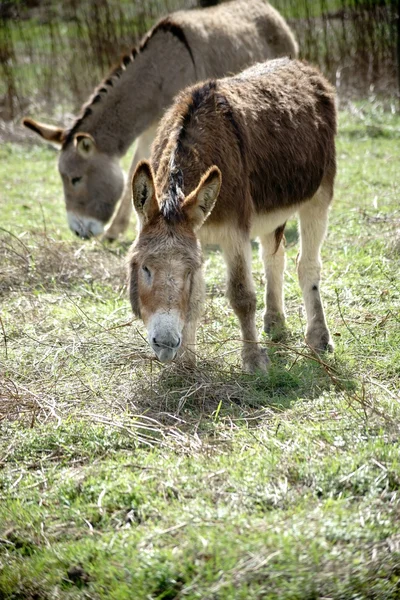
285 124
228 37
270 130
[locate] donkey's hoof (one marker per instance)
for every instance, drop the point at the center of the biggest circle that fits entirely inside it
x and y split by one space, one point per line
274 325
114 230
256 362
110 236
320 341
187 360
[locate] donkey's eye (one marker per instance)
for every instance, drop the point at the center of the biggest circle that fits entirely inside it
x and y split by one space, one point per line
76 180
146 271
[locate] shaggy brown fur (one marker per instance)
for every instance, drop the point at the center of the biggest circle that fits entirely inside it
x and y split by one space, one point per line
270 131
278 121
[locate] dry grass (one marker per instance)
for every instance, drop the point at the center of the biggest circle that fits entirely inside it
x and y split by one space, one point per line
43 262
76 364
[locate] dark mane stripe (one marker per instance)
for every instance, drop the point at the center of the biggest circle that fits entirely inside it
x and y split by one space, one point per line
200 95
224 106
171 205
192 102
166 25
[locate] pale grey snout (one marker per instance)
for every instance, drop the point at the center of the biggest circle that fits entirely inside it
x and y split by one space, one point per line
165 346
83 227
164 332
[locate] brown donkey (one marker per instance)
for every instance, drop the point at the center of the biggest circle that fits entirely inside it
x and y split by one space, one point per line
185 47
234 159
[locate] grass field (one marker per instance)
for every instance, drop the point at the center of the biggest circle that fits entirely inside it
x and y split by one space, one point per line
121 478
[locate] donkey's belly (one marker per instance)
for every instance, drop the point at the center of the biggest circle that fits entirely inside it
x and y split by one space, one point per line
262 224
266 223
218 234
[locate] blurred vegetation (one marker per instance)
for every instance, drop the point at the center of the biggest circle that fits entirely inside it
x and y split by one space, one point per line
52 54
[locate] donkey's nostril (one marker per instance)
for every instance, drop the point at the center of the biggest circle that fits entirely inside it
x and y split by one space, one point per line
167 343
176 344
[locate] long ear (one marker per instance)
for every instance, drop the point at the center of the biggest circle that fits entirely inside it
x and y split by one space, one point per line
48 132
84 144
143 191
200 203
133 287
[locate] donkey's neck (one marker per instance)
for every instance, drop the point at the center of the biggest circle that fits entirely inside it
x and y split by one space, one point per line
135 96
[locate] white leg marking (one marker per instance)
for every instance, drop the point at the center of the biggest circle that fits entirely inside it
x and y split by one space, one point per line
274 266
313 224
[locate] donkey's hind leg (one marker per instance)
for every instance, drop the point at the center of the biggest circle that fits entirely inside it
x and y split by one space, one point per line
313 218
274 260
241 294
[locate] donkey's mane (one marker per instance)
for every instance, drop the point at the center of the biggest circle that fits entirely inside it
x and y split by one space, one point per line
201 97
116 73
171 204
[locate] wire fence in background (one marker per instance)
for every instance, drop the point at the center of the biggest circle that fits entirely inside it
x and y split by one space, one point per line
53 54
354 42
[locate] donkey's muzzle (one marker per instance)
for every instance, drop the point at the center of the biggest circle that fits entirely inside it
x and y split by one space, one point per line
164 330
166 348
84 227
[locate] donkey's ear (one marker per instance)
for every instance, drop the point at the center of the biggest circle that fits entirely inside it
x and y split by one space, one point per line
143 191
200 203
133 287
50 133
84 144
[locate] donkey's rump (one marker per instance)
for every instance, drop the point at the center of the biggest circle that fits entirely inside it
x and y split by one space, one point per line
286 111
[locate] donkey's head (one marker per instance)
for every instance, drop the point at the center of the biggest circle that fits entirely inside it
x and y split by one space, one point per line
93 181
165 276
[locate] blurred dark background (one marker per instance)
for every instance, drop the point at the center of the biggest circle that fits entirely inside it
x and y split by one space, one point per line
52 54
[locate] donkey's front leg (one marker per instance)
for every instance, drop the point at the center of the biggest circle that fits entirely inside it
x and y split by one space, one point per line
187 351
240 291
120 220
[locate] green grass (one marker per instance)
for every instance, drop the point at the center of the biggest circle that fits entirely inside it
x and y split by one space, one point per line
122 478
